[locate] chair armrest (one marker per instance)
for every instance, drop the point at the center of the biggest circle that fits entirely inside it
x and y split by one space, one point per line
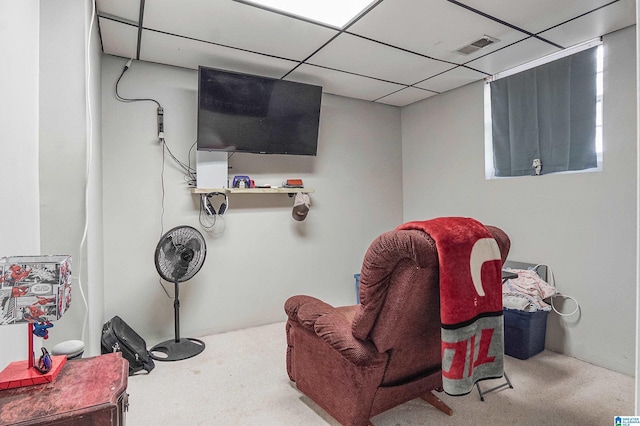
305 310
335 330
329 324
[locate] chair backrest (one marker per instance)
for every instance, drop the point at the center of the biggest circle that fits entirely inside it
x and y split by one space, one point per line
400 300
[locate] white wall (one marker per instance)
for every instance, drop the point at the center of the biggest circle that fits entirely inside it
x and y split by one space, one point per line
43 139
582 225
94 241
19 219
263 256
65 125
637 390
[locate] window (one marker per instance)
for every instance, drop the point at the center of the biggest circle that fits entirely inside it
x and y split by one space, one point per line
547 112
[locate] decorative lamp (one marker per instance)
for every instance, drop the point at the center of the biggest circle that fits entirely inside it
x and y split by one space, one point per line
34 290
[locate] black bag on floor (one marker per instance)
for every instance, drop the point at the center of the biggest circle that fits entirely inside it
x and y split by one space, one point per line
117 336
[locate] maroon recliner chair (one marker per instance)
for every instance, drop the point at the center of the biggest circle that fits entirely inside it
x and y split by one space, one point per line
358 361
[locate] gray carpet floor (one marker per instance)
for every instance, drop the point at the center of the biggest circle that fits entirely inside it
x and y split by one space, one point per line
241 379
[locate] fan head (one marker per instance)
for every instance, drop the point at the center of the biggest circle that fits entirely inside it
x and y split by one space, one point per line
180 254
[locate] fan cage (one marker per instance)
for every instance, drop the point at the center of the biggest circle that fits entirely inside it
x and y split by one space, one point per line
180 239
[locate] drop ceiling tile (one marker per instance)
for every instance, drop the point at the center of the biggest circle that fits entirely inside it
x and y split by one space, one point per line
512 56
182 52
127 9
343 84
118 39
361 56
538 15
230 23
406 97
433 28
603 21
451 79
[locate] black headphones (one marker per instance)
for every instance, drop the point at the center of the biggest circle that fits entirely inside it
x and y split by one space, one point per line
208 206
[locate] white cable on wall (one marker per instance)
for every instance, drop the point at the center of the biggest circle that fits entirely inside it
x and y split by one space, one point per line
89 153
551 280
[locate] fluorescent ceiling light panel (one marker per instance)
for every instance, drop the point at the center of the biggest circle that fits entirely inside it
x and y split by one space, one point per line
333 12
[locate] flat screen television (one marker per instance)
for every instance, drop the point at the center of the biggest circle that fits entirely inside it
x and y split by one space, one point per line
248 113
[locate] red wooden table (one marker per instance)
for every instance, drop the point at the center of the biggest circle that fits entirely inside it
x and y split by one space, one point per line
88 391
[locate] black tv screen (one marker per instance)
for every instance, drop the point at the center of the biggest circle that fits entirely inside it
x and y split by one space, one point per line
248 113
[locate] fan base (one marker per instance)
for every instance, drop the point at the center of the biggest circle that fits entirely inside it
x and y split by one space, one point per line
173 350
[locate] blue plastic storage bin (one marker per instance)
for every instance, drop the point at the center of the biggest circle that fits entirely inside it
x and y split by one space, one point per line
524 332
357 277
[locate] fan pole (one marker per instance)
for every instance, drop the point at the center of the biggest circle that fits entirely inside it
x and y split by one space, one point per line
176 349
176 312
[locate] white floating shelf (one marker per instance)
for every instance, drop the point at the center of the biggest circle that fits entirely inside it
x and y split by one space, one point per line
278 190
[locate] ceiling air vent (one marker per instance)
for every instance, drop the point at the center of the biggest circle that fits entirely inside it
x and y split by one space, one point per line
484 41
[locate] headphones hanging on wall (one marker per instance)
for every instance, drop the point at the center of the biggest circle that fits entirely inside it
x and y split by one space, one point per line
208 205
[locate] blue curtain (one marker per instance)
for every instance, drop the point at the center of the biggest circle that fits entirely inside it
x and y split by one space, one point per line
546 113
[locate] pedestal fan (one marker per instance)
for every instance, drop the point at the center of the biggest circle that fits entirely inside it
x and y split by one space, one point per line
179 255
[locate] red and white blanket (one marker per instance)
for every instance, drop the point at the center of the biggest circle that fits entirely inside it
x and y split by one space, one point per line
470 301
